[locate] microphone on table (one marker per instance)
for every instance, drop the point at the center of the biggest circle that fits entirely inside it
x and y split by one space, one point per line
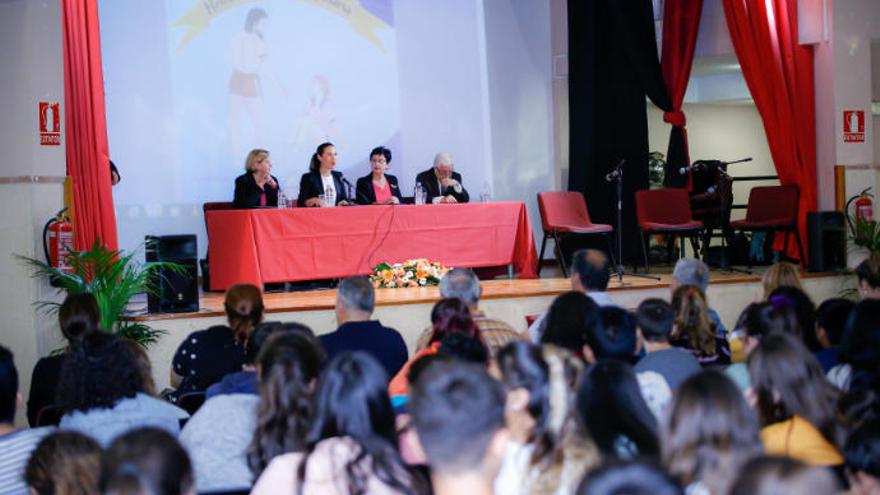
351 189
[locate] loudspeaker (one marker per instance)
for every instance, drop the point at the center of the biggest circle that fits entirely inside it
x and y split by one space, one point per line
178 292
826 240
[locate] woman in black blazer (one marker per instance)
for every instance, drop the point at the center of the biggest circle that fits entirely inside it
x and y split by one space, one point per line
256 187
377 187
321 178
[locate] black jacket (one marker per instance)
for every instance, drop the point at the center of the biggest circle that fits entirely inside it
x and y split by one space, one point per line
432 186
365 194
247 193
311 186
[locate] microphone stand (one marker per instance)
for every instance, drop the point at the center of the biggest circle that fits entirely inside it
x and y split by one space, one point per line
617 176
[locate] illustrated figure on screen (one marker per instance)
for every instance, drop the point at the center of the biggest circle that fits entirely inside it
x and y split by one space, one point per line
318 123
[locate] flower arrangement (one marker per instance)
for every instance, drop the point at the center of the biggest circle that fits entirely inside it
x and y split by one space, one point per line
411 273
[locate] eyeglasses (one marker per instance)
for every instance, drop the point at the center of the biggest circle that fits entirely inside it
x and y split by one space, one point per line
378 160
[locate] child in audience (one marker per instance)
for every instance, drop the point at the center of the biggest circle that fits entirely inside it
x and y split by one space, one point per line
795 402
804 312
782 274
656 320
567 320
146 461
350 443
458 414
830 321
694 329
709 434
756 322
64 463
862 453
868 275
781 475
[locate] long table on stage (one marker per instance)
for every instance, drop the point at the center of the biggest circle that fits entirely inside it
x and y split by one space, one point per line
288 245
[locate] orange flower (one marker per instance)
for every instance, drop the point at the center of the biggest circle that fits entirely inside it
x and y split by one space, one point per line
387 275
421 272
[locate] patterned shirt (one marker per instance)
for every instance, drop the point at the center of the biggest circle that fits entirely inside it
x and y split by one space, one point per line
495 333
15 450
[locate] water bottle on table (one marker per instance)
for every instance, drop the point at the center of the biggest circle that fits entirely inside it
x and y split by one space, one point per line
486 195
282 199
419 194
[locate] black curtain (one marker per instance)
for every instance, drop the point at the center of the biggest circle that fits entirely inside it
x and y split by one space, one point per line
613 66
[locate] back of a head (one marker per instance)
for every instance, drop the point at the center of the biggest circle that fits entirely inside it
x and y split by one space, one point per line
522 365
464 348
457 409
567 320
78 314
8 386
691 271
692 319
593 269
784 476
64 463
655 318
763 318
146 461
265 330
452 315
782 274
611 334
868 271
244 309
860 344
862 450
461 283
832 315
629 478
804 311
357 294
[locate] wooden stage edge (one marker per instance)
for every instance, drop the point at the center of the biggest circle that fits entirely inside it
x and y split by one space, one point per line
211 304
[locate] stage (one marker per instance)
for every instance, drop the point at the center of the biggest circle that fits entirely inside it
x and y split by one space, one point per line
408 310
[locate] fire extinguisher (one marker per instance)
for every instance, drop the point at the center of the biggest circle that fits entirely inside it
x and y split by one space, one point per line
58 241
865 207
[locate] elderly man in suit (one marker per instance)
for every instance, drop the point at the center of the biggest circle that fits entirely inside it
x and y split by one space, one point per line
441 183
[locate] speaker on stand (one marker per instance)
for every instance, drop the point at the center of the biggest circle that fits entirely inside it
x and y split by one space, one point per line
178 292
826 241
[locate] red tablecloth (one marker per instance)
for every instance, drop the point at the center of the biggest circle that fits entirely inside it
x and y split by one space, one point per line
287 245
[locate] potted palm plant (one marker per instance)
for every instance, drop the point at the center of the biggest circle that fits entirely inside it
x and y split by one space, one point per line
113 277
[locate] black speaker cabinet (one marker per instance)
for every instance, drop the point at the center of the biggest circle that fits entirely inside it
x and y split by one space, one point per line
178 292
826 241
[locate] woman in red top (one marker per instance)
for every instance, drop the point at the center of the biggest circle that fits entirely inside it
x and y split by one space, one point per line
377 187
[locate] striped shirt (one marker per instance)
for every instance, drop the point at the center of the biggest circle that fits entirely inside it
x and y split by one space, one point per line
15 450
496 334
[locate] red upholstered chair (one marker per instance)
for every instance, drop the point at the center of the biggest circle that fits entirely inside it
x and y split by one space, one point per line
773 209
666 211
564 213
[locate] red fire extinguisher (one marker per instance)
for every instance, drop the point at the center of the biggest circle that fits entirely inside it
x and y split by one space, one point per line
58 241
864 207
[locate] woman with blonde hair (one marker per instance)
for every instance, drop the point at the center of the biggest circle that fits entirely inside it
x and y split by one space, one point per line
694 329
206 356
256 187
780 274
64 463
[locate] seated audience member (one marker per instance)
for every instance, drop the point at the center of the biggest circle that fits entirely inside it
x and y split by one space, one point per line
795 402
610 334
64 463
694 329
146 461
256 187
458 414
350 442
831 318
629 478
441 183
567 320
862 454
859 349
321 184
756 322
78 315
102 391
355 299
289 366
288 363
868 276
656 320
611 408
15 445
206 356
377 187
542 456
781 475
804 312
691 271
782 274
462 283
709 434
590 274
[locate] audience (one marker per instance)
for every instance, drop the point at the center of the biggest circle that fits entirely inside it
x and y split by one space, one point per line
868 276
15 444
462 283
206 356
64 463
831 317
782 476
691 271
709 434
567 320
804 311
350 442
629 478
355 299
694 329
102 391
782 274
756 322
795 402
611 334
77 315
146 461
458 414
656 320
862 454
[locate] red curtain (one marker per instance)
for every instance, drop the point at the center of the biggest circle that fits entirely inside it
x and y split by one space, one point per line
681 21
779 74
87 156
